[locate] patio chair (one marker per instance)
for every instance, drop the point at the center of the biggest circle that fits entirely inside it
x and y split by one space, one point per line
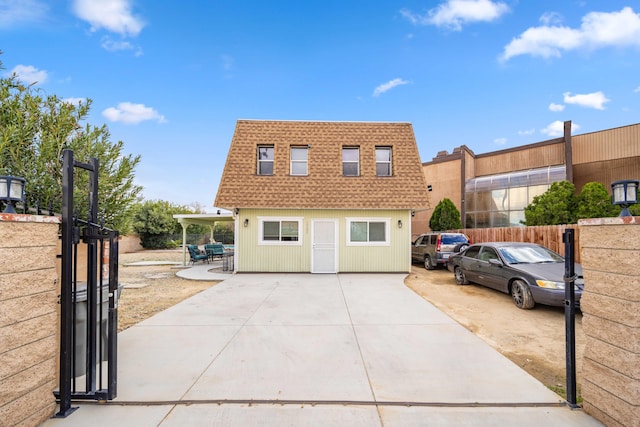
214 250
196 255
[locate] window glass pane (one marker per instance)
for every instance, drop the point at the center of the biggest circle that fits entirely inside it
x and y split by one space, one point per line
482 184
483 220
350 169
358 232
350 154
298 153
518 198
515 217
471 220
500 200
472 252
265 168
271 230
376 232
483 201
500 181
289 231
470 201
500 219
518 179
383 154
383 169
298 168
265 153
536 190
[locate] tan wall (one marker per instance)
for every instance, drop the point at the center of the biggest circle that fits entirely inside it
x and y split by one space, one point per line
611 319
28 318
515 160
444 179
128 244
609 144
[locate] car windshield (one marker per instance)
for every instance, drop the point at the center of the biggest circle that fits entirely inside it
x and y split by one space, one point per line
529 255
450 239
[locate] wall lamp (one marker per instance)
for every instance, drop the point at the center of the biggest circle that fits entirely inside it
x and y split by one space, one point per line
246 222
625 194
399 223
11 191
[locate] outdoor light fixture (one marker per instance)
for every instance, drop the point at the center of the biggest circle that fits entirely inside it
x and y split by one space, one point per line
399 223
11 191
246 222
625 194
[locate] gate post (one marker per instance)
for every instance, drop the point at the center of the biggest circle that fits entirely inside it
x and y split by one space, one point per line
570 315
66 320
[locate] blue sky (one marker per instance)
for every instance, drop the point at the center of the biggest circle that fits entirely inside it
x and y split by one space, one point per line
171 78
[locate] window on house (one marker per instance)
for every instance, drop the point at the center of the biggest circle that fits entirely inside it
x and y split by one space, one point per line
363 231
299 160
265 159
350 161
280 231
383 161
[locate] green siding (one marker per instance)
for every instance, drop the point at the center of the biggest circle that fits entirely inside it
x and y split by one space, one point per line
252 257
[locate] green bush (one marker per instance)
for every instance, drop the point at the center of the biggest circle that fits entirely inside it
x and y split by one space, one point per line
445 217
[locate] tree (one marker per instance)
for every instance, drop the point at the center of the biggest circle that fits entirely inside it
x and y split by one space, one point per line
34 129
445 217
153 221
556 206
595 202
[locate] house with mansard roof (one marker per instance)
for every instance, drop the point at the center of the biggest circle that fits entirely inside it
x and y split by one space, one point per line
322 197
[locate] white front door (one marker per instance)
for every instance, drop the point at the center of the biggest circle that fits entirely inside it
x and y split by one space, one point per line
324 250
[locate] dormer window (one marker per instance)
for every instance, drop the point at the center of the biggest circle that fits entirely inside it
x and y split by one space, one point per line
265 159
351 161
383 161
299 160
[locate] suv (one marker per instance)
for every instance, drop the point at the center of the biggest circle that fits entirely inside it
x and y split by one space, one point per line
434 248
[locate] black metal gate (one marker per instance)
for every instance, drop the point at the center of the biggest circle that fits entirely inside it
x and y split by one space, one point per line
88 299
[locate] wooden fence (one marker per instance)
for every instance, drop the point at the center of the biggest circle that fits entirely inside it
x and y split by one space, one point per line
549 236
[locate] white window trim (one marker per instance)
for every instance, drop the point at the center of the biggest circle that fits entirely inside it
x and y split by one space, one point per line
387 232
357 162
291 161
385 162
259 161
262 219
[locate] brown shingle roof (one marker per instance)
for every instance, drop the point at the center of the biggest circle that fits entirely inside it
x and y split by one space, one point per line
324 187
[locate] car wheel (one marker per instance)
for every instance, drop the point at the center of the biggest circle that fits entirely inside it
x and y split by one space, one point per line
461 279
461 247
428 263
521 295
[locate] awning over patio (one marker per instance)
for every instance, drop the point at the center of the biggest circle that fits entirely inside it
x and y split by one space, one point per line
186 220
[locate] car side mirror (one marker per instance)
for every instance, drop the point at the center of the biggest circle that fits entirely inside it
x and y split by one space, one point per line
495 262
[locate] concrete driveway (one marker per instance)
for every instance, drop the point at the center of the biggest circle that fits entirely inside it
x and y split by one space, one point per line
316 350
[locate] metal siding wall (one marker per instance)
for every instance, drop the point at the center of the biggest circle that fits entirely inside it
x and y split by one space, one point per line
618 143
256 258
552 154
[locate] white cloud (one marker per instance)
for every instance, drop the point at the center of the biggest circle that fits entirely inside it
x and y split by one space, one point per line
500 141
453 14
17 12
526 132
556 107
637 90
551 18
29 74
590 100
227 62
556 128
129 113
598 30
112 15
388 86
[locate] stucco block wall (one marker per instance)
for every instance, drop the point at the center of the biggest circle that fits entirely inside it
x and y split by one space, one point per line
610 252
28 318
